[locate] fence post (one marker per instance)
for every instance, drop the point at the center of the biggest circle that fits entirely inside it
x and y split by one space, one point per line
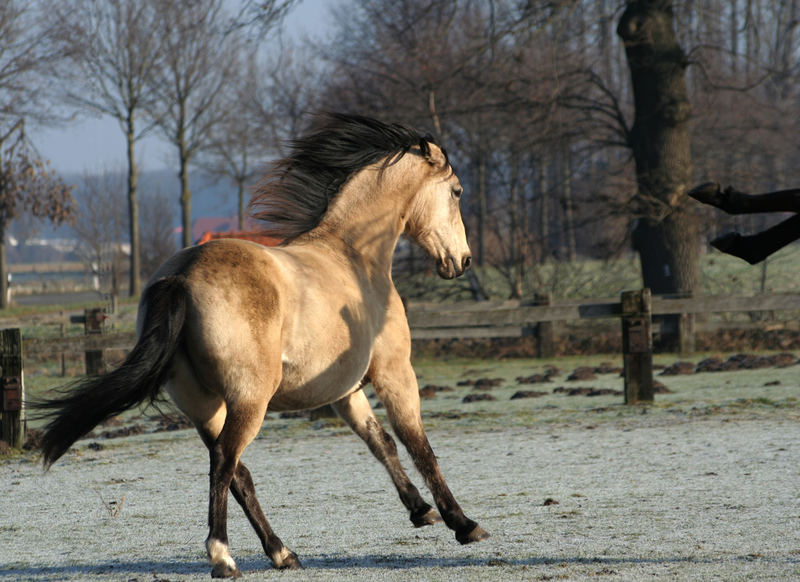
63 355
686 333
93 324
12 413
637 346
544 329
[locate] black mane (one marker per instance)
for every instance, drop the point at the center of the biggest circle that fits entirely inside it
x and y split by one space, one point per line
294 196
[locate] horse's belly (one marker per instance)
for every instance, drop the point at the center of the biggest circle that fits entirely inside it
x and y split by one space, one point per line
313 385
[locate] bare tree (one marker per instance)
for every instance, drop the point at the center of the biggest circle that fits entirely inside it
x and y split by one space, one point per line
238 144
101 224
288 89
158 231
26 56
263 15
201 54
27 185
114 53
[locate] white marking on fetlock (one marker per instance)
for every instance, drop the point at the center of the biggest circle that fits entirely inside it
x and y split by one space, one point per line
218 554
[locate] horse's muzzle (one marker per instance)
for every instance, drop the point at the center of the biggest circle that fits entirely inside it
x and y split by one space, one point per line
450 268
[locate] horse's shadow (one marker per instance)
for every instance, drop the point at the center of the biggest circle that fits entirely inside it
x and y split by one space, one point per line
328 562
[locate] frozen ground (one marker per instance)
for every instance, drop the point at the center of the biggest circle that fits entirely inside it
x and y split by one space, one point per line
687 491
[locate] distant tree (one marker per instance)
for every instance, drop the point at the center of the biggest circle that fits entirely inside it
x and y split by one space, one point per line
288 89
158 231
101 223
263 15
194 86
236 148
27 185
27 57
115 52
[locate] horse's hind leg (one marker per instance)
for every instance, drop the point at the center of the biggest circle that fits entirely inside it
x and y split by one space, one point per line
245 494
239 429
241 486
357 412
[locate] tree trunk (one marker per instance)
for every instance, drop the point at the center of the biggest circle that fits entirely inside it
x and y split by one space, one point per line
483 210
4 302
515 255
241 204
569 218
544 213
186 202
666 237
135 287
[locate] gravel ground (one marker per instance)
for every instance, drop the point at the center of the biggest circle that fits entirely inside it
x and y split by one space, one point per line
651 496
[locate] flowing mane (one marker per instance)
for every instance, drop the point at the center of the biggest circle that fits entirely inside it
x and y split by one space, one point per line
294 195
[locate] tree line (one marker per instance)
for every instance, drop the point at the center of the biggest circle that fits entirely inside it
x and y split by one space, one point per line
576 126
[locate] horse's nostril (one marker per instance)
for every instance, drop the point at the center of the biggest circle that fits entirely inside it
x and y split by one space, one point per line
467 262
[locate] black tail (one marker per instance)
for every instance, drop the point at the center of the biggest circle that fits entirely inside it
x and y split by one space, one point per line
90 401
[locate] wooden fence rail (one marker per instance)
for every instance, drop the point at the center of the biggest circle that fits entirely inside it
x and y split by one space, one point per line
515 318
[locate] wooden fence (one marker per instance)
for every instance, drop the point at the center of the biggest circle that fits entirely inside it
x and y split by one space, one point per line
487 319
519 318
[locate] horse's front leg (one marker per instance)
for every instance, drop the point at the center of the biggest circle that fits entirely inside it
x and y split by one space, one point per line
357 412
396 386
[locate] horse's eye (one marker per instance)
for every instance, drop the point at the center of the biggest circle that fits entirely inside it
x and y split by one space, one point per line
457 192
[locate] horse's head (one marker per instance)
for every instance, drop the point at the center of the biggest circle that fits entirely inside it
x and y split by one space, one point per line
435 221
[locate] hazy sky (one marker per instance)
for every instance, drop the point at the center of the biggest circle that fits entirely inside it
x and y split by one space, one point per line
94 144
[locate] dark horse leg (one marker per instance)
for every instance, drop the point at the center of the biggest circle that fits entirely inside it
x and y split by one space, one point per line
757 247
396 386
753 248
228 473
357 412
732 201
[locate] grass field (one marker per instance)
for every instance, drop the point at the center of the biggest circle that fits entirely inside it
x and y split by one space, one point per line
700 485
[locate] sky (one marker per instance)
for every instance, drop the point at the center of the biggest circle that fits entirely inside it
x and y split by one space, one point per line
91 144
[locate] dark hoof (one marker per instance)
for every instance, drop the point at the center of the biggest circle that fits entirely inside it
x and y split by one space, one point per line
430 517
707 193
475 535
225 571
727 242
292 562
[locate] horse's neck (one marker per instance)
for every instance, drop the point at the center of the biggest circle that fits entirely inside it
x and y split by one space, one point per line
366 219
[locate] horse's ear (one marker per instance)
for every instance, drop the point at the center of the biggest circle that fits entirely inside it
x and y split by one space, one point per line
434 155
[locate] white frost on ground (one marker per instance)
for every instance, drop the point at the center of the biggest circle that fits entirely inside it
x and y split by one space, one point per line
675 498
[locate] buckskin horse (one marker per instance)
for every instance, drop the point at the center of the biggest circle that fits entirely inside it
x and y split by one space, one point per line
233 329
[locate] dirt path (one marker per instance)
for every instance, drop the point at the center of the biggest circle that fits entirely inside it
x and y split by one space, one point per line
665 497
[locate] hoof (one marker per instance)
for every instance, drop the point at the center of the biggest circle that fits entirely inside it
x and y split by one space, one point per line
727 242
430 517
223 570
707 193
290 562
475 535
